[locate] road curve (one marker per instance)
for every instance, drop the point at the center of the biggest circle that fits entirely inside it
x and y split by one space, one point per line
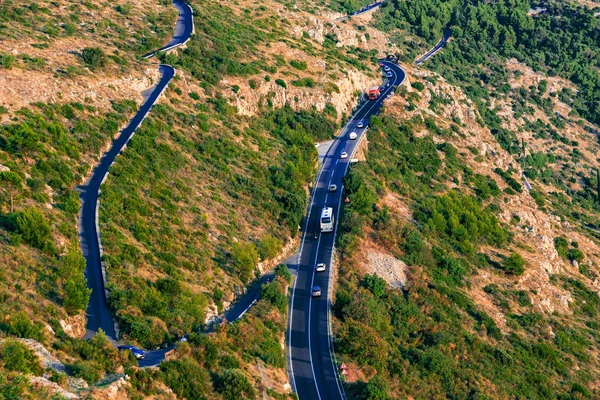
311 359
184 28
98 312
436 48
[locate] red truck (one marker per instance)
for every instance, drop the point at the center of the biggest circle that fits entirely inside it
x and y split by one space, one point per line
374 93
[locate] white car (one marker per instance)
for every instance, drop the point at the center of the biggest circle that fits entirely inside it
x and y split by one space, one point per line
344 155
332 188
353 135
360 125
320 267
386 69
316 291
389 75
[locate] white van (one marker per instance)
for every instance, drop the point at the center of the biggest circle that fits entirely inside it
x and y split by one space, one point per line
353 135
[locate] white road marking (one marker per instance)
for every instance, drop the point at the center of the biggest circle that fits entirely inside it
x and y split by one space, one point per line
244 312
333 146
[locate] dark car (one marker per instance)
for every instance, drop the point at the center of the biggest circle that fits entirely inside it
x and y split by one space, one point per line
139 354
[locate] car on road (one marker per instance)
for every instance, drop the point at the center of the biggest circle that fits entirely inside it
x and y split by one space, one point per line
332 188
360 125
389 74
344 155
386 68
380 64
316 291
353 135
320 267
139 354
387 84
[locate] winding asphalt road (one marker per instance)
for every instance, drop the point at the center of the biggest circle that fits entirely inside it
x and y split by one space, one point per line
99 315
184 28
311 359
436 48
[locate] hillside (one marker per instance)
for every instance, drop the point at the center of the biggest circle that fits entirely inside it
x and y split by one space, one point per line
454 278
490 289
212 186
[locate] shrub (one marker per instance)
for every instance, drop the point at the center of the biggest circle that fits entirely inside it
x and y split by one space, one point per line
514 264
186 378
575 255
87 370
374 284
245 259
281 82
273 293
282 271
304 82
33 227
418 85
194 95
377 389
7 60
301 65
234 385
18 357
93 57
269 247
77 294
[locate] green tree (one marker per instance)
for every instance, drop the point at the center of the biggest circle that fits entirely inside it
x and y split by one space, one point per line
18 357
33 227
93 57
245 258
269 247
283 271
273 293
11 184
375 284
234 385
514 264
77 294
377 389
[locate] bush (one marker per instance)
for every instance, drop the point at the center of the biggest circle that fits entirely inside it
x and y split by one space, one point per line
281 82
7 60
33 226
77 294
418 85
301 65
282 271
273 293
269 247
186 378
304 82
234 385
93 57
377 389
374 284
245 259
18 357
514 265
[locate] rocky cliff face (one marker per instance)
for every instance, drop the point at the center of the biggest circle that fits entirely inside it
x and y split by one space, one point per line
351 85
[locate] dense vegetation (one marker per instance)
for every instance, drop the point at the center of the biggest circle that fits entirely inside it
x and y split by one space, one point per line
429 339
175 235
562 41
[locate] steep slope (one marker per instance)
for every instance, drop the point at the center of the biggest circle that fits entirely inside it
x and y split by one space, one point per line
213 182
500 297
